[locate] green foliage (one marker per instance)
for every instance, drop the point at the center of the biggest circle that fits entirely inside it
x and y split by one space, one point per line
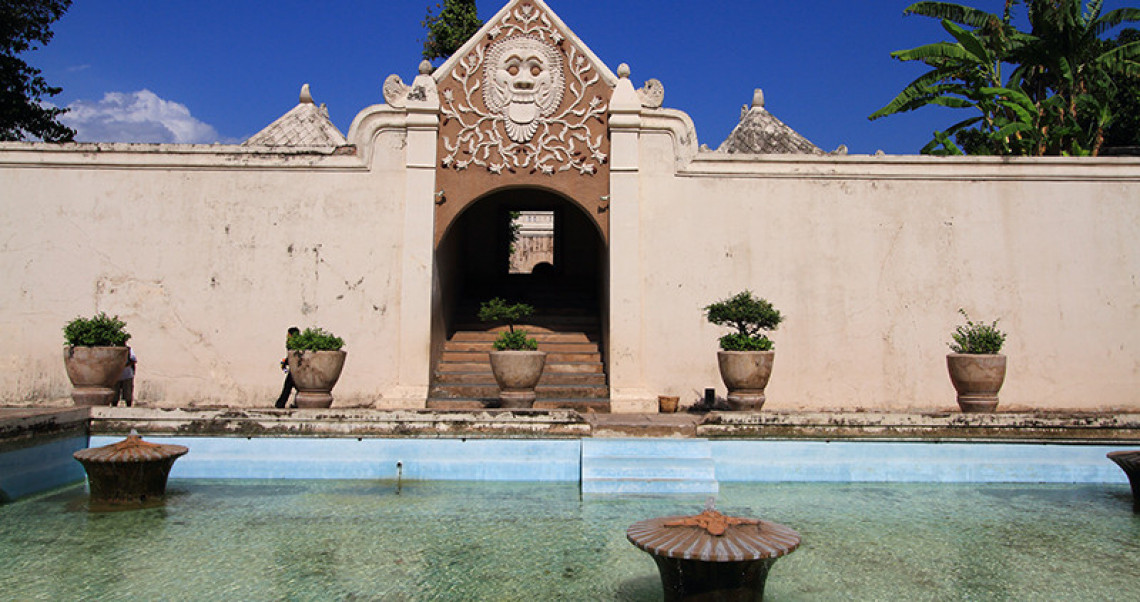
515 340
98 331
740 342
314 339
447 31
749 316
498 310
1058 100
977 337
24 24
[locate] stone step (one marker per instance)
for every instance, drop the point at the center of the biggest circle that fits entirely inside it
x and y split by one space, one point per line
560 367
548 378
600 406
650 486
648 466
586 324
631 447
548 347
557 357
468 336
490 390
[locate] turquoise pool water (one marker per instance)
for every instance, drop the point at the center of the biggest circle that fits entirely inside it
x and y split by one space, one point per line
363 540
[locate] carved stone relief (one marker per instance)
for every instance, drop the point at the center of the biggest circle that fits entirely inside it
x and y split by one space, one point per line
523 103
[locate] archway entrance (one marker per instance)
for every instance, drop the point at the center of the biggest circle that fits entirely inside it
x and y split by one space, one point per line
527 245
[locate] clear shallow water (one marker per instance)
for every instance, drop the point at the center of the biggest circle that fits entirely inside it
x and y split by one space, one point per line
360 540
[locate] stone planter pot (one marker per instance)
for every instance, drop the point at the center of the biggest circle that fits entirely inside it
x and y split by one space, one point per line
746 374
93 372
977 378
315 374
517 373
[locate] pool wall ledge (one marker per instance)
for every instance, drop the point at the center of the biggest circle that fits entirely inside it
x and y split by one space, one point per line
335 422
1054 427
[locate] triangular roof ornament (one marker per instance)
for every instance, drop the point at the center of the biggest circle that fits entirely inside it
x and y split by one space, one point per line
305 125
528 11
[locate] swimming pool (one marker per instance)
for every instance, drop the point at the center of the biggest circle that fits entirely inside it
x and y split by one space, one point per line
367 539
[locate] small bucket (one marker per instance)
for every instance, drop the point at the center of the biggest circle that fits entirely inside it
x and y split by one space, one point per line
667 403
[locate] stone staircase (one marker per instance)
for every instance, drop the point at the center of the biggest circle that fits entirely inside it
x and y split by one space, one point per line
574 376
648 466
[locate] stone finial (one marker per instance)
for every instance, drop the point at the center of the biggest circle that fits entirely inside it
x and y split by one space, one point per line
306 96
758 99
623 71
425 67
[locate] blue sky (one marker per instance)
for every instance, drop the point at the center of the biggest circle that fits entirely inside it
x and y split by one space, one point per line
213 70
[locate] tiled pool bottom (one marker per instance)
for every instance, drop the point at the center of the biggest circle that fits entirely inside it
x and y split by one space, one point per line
364 540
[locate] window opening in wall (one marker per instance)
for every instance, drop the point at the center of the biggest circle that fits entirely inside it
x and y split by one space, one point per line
532 241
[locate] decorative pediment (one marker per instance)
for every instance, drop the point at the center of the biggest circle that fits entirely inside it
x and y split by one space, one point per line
524 96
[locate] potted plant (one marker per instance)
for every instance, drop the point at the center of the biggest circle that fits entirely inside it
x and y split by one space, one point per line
516 361
94 355
976 367
746 356
315 361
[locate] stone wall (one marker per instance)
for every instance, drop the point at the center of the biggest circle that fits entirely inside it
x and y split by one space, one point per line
209 253
870 258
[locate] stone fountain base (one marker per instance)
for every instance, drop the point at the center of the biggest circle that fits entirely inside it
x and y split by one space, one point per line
1129 461
131 471
711 556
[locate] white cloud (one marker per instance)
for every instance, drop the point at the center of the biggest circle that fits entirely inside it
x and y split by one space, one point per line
136 117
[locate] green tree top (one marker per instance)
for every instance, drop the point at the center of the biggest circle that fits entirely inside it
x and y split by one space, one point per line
25 25
447 31
1058 98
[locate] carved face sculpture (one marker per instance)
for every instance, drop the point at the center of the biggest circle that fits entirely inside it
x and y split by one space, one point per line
522 82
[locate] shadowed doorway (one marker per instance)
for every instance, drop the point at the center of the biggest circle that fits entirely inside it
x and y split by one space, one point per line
558 265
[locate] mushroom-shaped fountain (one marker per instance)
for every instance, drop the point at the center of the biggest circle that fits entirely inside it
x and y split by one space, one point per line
711 556
131 471
1130 462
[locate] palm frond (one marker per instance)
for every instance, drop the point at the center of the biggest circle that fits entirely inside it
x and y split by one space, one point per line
969 42
1114 18
957 13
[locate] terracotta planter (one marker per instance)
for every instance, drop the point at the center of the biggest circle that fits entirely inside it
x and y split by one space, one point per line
667 404
517 373
93 372
977 378
315 374
746 374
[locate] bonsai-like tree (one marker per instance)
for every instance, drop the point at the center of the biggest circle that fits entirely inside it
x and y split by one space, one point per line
100 330
498 310
977 338
750 316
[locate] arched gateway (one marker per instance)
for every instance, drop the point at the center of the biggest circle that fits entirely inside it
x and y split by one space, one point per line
523 130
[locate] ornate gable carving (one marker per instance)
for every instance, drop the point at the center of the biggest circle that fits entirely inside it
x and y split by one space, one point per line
524 99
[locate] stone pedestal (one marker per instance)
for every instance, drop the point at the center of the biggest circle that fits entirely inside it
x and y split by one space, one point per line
131 471
711 556
1129 461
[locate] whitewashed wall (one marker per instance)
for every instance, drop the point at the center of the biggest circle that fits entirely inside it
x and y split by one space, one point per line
870 258
208 254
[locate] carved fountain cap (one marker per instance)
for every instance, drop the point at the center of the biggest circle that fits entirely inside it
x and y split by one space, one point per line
713 537
131 449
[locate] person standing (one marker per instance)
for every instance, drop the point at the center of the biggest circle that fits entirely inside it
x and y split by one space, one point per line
125 388
288 387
